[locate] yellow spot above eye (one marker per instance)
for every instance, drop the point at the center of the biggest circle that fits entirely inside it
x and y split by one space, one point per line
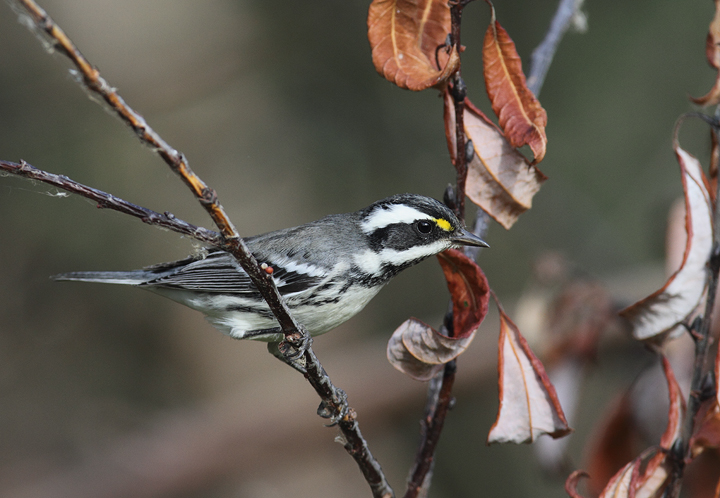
444 224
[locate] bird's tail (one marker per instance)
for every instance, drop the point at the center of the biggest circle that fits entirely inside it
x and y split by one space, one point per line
107 277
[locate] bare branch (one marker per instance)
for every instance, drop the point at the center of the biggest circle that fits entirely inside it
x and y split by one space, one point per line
543 55
297 340
109 201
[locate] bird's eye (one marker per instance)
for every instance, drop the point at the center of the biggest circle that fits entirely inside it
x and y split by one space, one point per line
424 226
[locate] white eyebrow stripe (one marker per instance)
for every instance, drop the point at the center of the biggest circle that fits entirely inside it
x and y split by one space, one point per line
396 213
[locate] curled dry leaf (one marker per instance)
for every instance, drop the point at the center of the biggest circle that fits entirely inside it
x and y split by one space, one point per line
405 36
420 351
615 442
469 291
656 473
572 481
529 406
619 439
499 180
663 311
625 482
712 52
520 114
677 408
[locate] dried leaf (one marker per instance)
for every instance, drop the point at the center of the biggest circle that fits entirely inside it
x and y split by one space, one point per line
655 475
405 35
521 116
667 308
572 481
707 435
676 411
500 180
614 443
469 291
624 483
414 335
712 52
529 406
654 480
712 42
420 351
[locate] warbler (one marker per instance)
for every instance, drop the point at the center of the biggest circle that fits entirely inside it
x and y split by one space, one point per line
326 270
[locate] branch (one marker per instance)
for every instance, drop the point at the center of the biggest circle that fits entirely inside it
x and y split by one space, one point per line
543 55
297 340
440 389
90 78
109 201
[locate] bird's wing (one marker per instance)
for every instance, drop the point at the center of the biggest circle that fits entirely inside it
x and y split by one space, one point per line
218 272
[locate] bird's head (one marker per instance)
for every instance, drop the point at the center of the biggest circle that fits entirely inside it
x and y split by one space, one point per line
405 229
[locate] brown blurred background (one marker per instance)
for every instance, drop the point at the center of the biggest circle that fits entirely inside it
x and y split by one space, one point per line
110 391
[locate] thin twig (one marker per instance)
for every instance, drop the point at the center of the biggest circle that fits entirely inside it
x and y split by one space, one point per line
543 55
439 405
333 399
109 201
97 85
439 392
432 428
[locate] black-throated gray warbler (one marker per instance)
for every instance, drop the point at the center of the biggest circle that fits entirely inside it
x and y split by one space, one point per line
326 270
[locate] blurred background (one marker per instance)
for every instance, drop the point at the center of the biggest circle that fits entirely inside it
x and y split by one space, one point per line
110 391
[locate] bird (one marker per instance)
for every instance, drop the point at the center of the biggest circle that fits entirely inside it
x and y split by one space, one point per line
326 270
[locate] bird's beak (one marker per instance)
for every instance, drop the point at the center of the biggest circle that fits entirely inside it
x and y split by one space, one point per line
467 238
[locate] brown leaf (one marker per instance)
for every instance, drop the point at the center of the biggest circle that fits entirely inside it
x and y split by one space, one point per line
615 443
676 411
529 406
620 437
500 180
572 481
656 473
404 37
521 116
420 351
712 52
707 435
624 483
663 311
469 291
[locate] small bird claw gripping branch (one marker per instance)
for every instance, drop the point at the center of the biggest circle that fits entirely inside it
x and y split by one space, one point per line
297 341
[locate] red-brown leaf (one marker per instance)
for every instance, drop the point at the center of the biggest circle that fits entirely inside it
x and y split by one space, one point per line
469 291
663 311
712 52
655 475
500 180
529 406
404 37
521 116
420 351
624 483
572 481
